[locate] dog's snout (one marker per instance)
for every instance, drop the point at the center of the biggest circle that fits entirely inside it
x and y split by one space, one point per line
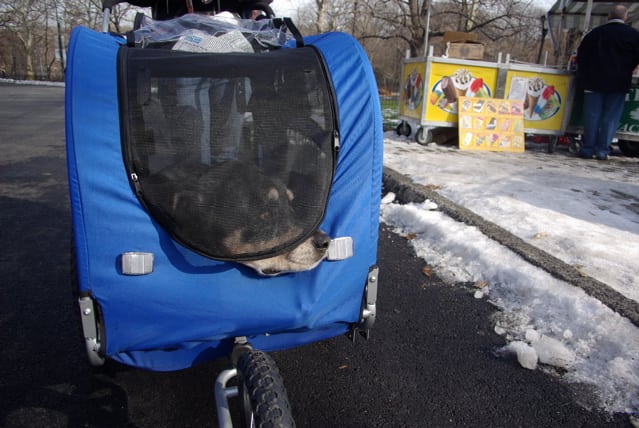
321 240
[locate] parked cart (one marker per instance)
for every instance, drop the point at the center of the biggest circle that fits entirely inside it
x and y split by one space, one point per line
431 87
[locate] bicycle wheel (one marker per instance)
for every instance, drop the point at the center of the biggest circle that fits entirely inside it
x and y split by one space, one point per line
262 394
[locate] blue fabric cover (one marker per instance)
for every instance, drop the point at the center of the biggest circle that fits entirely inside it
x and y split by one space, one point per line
189 309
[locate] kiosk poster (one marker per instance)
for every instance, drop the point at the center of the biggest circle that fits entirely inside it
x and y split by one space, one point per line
412 91
630 117
491 125
448 82
544 96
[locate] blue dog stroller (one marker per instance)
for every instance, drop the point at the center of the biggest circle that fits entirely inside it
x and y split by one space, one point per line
189 168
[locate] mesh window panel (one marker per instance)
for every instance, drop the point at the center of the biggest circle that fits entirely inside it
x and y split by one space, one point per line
233 154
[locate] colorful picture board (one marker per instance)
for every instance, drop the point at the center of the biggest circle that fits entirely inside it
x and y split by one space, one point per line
491 124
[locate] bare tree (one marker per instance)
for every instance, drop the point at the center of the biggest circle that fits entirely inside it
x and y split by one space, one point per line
34 33
23 19
386 28
321 16
389 28
399 20
11 59
406 20
88 13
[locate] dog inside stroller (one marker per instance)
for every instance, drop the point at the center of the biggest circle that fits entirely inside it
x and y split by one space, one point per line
225 181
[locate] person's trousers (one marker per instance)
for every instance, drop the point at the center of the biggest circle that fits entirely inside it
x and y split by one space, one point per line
601 116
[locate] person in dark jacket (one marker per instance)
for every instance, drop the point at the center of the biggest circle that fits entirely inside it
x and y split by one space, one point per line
606 59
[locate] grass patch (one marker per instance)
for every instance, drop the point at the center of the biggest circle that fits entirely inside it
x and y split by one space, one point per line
390 111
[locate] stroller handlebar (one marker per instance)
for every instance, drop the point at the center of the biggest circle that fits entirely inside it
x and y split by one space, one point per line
108 4
168 9
173 8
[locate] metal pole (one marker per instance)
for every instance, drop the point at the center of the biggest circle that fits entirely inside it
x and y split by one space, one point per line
587 18
470 22
60 44
544 31
106 12
427 30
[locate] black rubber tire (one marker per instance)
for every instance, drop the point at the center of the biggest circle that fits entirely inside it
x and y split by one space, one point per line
263 399
574 145
403 129
629 148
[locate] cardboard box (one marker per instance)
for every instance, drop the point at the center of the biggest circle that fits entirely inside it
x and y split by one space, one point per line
465 50
459 37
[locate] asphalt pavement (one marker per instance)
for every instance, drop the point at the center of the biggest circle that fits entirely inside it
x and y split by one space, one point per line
431 361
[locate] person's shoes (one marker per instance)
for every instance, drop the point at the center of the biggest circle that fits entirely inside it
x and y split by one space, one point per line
602 157
584 156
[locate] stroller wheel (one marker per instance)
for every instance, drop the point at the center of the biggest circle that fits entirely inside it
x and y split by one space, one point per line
263 398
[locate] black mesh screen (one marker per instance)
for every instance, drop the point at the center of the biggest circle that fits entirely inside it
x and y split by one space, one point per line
232 153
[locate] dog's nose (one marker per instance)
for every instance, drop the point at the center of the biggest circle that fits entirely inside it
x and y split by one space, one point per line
321 240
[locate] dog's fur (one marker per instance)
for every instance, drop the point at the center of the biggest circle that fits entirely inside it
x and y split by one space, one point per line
251 213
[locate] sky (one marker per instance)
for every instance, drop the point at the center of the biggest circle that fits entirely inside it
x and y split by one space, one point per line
284 7
584 212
